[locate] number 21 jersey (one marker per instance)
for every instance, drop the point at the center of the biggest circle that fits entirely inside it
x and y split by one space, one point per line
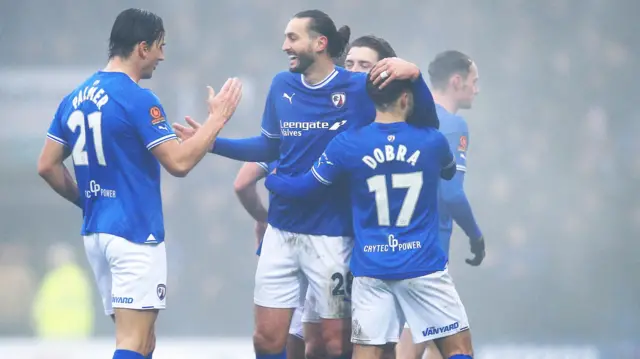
110 124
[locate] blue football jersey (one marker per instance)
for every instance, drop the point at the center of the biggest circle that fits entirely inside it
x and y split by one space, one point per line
392 171
306 118
455 129
110 124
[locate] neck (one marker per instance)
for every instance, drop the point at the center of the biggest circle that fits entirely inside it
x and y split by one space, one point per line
117 64
389 117
319 71
442 99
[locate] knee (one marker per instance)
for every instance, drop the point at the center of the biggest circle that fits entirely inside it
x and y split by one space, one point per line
265 342
337 346
457 346
336 337
314 350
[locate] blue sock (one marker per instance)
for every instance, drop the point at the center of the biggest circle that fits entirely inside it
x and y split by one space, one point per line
461 356
150 356
127 354
282 355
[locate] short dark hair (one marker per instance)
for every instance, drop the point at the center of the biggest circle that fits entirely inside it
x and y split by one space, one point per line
133 26
377 44
386 97
447 64
322 24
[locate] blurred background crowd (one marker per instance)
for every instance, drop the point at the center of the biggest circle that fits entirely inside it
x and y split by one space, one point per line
553 172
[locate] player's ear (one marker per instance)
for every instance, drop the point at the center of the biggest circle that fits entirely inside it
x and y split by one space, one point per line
143 49
321 43
455 81
404 101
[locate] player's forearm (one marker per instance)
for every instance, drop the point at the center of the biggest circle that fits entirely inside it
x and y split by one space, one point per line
196 147
61 181
252 149
463 216
252 203
294 187
458 205
424 111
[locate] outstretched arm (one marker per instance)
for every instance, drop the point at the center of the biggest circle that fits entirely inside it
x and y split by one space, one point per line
253 149
263 148
306 185
326 170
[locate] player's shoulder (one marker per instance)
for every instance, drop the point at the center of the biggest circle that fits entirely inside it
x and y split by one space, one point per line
450 122
77 94
120 87
428 136
147 95
284 77
358 79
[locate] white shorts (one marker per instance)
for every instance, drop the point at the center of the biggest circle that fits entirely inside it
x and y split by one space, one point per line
310 314
430 305
296 323
129 275
289 262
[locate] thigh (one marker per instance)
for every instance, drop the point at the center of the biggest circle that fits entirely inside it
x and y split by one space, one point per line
375 319
432 306
406 349
325 263
278 280
95 252
138 273
135 329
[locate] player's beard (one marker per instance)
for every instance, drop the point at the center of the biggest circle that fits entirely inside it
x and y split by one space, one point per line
305 60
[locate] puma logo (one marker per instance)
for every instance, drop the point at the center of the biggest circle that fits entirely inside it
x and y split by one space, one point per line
290 98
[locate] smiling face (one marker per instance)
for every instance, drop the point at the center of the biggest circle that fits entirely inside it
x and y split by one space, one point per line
302 45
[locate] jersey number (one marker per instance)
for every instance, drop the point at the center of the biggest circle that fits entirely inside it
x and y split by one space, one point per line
79 153
411 181
341 286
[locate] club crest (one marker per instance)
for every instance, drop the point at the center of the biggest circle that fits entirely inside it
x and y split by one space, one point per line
161 290
338 99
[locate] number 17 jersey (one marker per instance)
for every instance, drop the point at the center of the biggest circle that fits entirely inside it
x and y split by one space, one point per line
110 124
393 171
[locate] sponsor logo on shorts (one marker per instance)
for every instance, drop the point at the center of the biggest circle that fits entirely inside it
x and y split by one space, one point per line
121 300
440 330
161 291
